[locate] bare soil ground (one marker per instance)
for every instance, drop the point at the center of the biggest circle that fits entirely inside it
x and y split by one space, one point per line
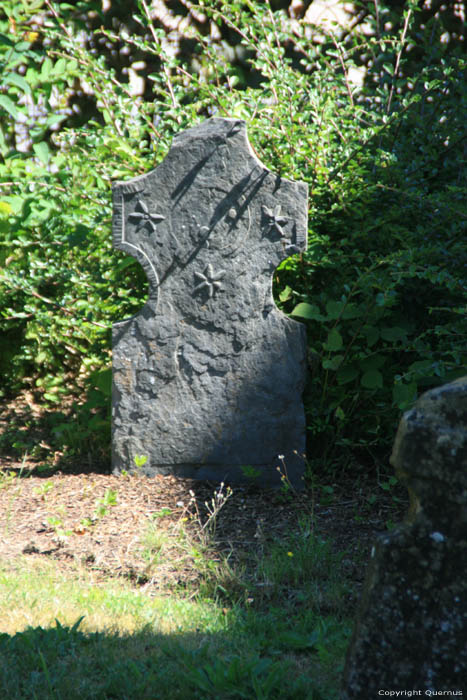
44 514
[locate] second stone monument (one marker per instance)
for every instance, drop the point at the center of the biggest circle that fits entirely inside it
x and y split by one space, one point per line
208 376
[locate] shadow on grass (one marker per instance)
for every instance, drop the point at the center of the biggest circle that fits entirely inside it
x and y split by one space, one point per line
63 663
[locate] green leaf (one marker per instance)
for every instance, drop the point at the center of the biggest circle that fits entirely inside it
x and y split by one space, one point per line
140 460
286 294
393 334
103 380
60 67
79 235
404 394
126 262
373 379
5 209
42 152
339 413
5 40
334 341
46 69
334 309
9 106
16 203
53 119
333 362
352 311
18 81
371 334
297 641
309 311
422 367
347 374
380 299
372 362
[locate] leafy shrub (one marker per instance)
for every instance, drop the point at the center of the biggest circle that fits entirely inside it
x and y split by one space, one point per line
382 286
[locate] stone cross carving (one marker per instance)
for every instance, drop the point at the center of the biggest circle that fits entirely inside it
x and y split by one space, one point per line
411 630
208 376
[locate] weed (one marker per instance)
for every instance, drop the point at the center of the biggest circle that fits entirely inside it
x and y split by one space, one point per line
109 500
103 504
43 490
57 525
287 488
389 484
213 507
327 494
256 677
250 473
7 478
14 495
393 487
140 461
189 543
162 513
305 565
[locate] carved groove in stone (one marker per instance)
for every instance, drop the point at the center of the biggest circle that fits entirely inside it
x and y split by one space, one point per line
228 233
137 252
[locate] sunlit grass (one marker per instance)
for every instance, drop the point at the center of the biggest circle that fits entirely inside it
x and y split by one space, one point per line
36 594
194 616
270 624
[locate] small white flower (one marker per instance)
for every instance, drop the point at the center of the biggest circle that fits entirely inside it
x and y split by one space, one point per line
437 537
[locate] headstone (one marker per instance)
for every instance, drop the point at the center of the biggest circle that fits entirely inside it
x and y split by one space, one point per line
208 376
411 630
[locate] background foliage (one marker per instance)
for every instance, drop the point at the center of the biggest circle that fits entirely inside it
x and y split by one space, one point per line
382 286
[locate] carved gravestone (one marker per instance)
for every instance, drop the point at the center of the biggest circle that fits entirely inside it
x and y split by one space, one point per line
411 630
208 376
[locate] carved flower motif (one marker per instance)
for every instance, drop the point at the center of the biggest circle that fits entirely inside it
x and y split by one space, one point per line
274 219
209 280
142 217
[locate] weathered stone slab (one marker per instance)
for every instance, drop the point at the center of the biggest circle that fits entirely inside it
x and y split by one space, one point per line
411 630
208 376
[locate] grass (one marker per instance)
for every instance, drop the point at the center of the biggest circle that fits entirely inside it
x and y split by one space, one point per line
75 638
272 624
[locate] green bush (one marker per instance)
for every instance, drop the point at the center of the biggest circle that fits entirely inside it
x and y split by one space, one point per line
382 286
